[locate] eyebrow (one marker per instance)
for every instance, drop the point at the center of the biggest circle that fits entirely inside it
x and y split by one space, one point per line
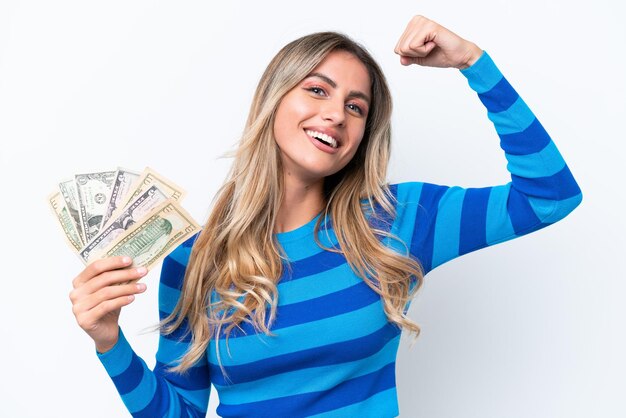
331 82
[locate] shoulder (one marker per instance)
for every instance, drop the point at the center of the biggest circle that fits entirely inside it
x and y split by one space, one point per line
181 253
415 192
403 197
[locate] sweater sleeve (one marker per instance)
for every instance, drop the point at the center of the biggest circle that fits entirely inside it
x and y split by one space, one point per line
159 392
441 223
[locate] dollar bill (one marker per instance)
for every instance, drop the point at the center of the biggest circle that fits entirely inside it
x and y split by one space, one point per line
70 196
133 213
94 190
154 237
124 179
148 178
63 216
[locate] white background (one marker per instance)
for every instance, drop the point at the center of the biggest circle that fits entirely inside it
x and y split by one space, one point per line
529 328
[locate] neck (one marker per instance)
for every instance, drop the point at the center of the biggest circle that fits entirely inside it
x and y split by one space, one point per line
302 201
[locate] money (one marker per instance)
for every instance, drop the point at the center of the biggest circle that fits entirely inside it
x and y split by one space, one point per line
151 240
93 191
138 209
122 212
70 195
124 179
57 203
150 177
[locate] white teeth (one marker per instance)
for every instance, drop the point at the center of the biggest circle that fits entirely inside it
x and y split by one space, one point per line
325 138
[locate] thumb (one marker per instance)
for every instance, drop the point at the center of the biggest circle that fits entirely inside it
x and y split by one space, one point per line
423 50
417 55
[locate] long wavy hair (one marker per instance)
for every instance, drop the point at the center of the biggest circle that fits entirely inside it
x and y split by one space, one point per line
236 261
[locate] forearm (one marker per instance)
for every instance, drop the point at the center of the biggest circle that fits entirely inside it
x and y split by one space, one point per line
148 393
160 392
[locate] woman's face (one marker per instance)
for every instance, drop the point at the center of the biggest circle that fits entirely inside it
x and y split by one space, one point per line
319 124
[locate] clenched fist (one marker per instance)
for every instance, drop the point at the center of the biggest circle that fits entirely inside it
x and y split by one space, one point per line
427 43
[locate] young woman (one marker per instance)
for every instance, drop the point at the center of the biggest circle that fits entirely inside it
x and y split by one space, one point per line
292 298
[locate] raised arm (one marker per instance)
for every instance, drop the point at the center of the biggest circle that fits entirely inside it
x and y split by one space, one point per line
441 222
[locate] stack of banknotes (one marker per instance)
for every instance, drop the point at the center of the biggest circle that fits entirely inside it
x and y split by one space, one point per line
122 212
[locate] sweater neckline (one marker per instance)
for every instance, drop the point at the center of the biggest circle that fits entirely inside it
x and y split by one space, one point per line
300 232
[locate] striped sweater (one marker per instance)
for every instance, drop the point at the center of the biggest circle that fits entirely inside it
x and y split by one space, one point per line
333 353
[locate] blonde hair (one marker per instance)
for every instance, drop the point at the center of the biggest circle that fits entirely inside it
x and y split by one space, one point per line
236 261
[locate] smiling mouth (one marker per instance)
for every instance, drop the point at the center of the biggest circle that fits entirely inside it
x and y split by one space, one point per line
323 138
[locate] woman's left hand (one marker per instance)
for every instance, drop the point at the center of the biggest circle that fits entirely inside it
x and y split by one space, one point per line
427 43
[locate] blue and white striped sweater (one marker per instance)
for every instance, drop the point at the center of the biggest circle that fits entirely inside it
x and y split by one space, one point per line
333 353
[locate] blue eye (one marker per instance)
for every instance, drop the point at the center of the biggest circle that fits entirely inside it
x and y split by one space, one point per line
355 108
317 91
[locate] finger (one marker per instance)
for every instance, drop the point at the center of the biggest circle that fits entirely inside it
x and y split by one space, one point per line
420 51
411 30
99 267
108 278
416 43
400 42
88 320
423 49
419 59
405 38
106 294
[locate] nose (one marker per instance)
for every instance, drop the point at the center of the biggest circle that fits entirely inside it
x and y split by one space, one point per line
334 111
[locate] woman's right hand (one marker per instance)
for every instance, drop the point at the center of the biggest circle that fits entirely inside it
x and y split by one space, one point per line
100 291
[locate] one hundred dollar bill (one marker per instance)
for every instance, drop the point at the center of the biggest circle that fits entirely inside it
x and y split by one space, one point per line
154 237
63 216
124 180
94 190
70 196
140 208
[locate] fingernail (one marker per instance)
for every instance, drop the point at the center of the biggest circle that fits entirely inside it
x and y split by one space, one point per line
141 286
142 270
126 260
